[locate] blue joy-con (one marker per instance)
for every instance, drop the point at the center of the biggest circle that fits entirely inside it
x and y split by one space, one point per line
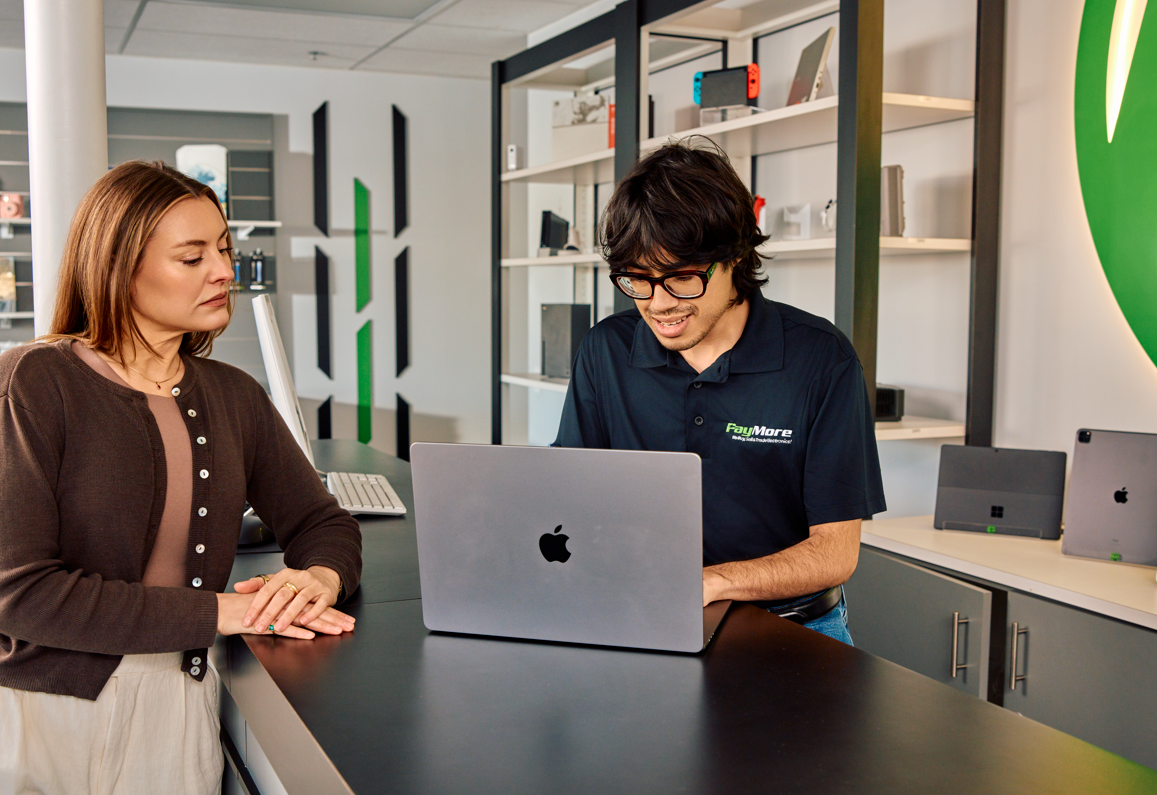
698 93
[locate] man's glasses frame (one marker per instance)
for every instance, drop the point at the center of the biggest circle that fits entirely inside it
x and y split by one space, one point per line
622 281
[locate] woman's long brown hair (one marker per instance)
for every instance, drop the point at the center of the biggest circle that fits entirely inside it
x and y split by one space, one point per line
108 235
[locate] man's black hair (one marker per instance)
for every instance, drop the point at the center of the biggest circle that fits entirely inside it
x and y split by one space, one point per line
682 205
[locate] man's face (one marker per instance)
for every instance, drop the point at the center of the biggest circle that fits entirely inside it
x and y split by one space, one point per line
682 323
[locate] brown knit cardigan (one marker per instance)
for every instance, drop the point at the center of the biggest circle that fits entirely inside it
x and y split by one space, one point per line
82 488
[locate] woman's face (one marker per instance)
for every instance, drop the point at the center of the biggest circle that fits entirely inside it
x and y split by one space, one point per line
182 282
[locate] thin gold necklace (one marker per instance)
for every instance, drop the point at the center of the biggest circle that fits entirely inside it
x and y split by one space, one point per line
163 380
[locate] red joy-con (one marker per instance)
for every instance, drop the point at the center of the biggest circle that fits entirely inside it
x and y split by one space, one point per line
752 80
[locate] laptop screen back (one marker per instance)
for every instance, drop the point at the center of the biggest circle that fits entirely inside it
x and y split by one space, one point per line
584 546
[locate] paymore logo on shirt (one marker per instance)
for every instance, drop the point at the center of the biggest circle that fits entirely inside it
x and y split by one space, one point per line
758 433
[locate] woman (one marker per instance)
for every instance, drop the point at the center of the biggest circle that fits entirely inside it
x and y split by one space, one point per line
127 460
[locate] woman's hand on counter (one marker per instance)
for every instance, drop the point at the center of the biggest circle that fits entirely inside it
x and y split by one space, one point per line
305 605
231 611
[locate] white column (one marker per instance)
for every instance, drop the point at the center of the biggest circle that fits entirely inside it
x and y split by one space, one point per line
67 128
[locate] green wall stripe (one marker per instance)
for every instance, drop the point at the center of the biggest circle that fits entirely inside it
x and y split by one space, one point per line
365 382
362 242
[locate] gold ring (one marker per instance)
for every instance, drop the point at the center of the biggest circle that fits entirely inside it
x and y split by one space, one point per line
264 577
290 586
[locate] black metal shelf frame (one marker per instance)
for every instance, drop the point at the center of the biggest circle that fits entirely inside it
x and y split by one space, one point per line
857 175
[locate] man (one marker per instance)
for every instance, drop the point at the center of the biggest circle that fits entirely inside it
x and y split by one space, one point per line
770 397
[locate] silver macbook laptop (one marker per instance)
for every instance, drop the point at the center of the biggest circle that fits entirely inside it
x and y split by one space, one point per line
1112 506
582 546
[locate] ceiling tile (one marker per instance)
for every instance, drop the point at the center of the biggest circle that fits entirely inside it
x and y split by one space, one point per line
442 64
243 49
476 41
119 13
210 21
113 38
397 9
520 15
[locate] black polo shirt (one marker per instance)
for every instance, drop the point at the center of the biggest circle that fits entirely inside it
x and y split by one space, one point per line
781 421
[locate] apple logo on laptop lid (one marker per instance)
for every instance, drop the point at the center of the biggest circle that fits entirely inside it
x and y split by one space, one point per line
553 546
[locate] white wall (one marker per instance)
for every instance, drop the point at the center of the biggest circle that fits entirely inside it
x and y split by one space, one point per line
447 383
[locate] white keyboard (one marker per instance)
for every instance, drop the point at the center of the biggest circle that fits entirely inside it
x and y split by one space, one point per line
359 493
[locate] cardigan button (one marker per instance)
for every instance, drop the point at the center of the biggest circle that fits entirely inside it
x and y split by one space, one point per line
192 413
202 511
204 474
200 549
200 440
176 391
196 582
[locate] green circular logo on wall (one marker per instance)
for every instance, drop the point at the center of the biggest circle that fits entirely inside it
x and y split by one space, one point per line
1115 115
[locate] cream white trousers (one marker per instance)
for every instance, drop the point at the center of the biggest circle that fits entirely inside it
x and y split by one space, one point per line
152 730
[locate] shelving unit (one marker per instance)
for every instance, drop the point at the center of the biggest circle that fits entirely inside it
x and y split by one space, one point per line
152 134
767 132
6 226
846 120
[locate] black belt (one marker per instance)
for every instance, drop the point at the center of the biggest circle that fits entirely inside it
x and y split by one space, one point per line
808 611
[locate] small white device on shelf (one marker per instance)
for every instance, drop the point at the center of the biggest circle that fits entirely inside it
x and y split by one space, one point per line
357 493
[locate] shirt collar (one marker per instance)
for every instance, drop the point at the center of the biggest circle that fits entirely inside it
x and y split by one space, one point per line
759 350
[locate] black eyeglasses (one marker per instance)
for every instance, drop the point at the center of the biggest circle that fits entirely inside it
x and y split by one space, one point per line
681 284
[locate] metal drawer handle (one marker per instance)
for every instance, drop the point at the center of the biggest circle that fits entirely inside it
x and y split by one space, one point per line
956 622
1013 678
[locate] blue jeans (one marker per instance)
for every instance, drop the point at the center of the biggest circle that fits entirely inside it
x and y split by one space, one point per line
834 624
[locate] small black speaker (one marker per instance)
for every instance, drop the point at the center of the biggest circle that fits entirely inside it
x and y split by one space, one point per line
563 328
889 403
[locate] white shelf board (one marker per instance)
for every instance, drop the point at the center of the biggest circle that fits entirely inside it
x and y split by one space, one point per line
536 381
256 224
16 221
16 315
245 228
561 259
589 169
811 123
911 427
779 130
825 247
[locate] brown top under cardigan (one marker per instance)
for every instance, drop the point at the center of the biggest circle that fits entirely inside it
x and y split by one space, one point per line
82 490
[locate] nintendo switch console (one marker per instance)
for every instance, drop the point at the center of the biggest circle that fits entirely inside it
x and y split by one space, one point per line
719 88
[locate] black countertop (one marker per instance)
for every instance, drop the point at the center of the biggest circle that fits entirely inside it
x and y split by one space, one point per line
770 706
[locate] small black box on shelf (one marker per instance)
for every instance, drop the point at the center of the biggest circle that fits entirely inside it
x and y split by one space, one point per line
555 231
563 328
889 403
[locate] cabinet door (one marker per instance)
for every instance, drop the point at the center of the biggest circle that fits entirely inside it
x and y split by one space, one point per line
905 614
1089 676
